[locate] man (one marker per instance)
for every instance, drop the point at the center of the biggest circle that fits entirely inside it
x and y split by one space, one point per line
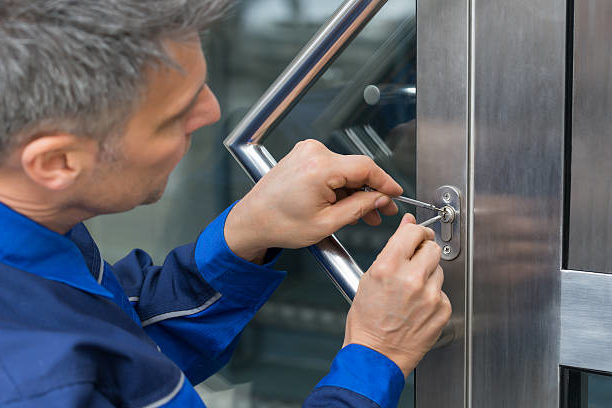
98 104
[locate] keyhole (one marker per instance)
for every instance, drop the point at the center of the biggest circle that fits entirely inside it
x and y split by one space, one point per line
446 227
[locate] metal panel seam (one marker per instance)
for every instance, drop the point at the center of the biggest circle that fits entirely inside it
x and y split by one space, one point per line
469 207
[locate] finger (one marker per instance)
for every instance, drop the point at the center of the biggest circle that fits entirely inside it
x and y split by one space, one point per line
437 278
389 209
427 258
408 219
356 171
447 305
412 236
444 313
372 218
353 208
408 238
445 299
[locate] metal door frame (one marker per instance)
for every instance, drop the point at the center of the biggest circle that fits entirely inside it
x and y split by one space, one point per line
442 159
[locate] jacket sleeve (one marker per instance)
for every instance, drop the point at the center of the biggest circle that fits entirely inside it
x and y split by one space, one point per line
78 395
198 302
87 395
359 377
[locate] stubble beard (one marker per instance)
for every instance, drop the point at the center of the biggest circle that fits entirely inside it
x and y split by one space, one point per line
156 194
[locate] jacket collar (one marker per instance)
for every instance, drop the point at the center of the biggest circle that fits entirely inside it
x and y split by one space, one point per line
72 259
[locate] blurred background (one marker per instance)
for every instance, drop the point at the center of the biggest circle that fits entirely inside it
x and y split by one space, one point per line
288 347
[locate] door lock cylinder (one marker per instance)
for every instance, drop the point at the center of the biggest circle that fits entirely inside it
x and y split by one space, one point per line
448 230
446 227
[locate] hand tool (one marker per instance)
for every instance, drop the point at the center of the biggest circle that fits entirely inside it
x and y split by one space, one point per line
412 201
431 221
402 199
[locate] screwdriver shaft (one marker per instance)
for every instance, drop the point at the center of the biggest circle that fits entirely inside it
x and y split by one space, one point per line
407 200
418 203
431 221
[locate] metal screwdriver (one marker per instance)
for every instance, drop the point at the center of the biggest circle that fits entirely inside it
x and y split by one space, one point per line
431 221
418 203
412 201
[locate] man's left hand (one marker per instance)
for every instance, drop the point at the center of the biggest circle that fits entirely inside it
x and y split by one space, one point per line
310 194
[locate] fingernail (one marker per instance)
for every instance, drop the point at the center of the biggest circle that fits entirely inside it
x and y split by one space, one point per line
381 201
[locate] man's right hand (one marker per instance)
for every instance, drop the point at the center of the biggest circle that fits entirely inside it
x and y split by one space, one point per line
400 308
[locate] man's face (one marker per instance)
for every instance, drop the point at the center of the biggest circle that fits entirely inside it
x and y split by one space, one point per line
158 135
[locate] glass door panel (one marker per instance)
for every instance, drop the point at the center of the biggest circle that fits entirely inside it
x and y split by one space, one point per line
585 389
364 103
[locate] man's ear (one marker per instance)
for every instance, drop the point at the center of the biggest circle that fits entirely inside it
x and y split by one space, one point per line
56 161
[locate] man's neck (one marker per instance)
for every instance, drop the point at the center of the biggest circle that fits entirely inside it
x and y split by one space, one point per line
40 209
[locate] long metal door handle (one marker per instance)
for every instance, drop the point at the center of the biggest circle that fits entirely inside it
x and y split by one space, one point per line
244 142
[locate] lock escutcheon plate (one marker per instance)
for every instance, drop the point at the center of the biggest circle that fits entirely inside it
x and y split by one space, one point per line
448 231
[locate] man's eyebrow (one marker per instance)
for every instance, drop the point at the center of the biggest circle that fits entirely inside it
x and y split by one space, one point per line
186 109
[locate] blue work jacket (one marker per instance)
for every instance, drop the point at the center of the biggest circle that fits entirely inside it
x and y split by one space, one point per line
78 332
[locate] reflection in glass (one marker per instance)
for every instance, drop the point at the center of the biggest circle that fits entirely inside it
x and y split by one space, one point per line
288 347
590 185
583 389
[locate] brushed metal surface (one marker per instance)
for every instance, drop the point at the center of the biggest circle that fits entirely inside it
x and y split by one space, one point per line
442 111
590 229
518 135
586 320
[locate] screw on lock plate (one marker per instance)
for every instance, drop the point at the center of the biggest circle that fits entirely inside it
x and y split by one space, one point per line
448 230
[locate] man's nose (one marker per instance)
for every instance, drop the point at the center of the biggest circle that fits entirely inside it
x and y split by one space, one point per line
206 111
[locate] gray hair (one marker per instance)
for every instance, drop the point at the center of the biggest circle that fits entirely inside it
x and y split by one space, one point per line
77 65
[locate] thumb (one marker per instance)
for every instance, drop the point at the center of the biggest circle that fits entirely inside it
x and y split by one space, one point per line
408 219
350 209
